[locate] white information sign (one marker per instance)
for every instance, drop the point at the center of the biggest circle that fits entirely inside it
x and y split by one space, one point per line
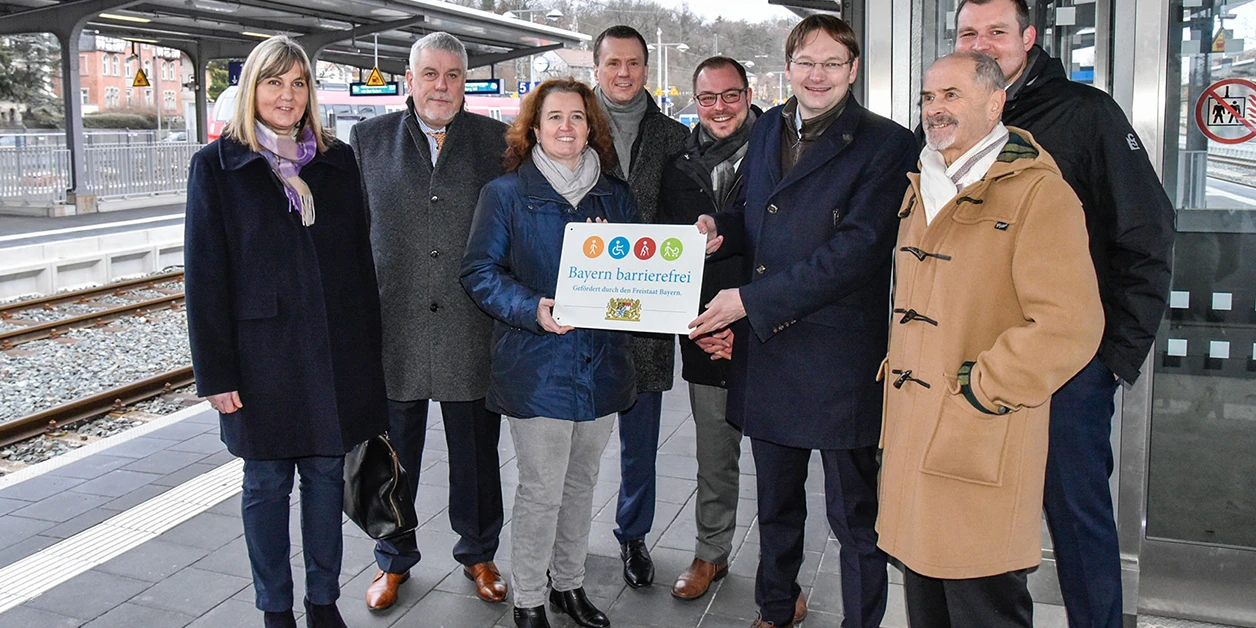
630 277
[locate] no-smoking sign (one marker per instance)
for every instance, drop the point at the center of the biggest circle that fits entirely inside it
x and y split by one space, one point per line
1226 112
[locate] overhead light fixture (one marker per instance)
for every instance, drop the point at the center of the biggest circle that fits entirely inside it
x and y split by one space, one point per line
262 35
214 5
141 41
125 18
333 24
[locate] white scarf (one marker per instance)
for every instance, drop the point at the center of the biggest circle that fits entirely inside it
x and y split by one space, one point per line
573 185
940 183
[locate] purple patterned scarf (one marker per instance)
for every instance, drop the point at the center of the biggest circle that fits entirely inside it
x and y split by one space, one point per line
286 156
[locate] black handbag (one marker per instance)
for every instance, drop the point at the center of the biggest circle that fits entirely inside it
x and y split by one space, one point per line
377 491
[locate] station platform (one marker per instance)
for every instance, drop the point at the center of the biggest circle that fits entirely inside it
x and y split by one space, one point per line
143 529
27 230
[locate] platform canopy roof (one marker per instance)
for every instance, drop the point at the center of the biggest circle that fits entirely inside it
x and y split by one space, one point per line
341 31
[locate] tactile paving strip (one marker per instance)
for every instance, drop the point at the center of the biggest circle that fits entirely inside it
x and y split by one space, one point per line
30 577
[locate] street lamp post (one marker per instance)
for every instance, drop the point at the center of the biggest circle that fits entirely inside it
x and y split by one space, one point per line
662 47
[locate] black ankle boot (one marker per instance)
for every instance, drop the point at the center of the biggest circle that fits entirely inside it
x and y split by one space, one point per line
323 616
577 605
531 618
282 619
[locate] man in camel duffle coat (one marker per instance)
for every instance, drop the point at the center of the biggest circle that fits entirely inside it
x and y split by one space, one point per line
996 306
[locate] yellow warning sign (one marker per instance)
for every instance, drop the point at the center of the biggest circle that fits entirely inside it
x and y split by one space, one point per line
1218 43
140 79
375 79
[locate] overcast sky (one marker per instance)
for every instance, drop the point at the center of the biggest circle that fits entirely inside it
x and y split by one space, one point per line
749 10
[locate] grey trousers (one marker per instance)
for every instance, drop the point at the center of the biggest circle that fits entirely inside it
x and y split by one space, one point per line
558 463
719 454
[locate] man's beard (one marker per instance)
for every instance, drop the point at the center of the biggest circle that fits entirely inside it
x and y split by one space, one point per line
931 134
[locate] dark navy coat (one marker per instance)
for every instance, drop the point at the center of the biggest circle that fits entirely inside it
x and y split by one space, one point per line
817 250
511 263
286 315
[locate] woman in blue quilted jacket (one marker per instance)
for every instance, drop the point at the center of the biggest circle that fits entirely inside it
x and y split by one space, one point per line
559 387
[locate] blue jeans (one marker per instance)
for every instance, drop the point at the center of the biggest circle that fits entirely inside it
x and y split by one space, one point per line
264 505
638 449
1078 500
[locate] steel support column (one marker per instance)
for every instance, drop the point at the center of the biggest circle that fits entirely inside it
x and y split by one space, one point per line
66 21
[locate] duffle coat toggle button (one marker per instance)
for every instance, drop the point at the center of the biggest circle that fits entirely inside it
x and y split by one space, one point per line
913 315
921 254
905 376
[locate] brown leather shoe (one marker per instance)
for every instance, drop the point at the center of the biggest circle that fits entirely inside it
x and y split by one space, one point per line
383 590
800 607
759 623
488 581
697 578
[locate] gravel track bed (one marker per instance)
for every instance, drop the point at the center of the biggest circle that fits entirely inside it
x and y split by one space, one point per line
108 301
45 373
43 448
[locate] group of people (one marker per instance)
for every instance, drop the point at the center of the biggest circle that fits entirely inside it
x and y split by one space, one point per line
945 316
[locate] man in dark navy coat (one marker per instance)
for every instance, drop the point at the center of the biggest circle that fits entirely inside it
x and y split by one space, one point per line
816 227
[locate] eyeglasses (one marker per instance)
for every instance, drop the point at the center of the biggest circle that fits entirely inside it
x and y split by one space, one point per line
829 67
731 96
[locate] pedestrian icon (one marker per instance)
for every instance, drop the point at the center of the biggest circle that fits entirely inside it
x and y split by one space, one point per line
593 247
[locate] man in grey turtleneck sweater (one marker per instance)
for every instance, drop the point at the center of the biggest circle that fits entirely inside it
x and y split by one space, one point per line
645 139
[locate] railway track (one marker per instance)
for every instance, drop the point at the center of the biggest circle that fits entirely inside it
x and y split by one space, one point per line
60 417
52 329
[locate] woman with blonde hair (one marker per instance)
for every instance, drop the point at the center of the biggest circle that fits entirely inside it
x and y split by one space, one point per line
283 319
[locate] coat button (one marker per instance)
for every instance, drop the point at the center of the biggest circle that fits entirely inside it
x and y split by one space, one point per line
588 360
435 198
435 254
761 269
435 306
771 209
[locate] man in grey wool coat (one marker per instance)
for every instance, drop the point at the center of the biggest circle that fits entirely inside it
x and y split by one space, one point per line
422 171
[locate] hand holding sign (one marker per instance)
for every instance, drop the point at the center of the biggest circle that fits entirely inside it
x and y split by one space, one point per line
706 226
545 318
724 310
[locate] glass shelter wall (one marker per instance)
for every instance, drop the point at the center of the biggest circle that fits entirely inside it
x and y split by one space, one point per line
1202 475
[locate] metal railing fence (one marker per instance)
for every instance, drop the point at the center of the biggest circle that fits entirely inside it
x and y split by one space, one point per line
34 175
120 171
40 175
91 137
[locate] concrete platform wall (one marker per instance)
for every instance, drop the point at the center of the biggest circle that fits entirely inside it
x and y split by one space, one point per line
69 264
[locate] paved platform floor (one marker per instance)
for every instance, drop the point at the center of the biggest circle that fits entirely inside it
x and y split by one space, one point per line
148 213
197 573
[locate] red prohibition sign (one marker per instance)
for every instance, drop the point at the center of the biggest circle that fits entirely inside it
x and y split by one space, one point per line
1212 93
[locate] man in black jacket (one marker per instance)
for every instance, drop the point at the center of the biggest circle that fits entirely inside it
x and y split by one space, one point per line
703 179
1131 226
644 139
